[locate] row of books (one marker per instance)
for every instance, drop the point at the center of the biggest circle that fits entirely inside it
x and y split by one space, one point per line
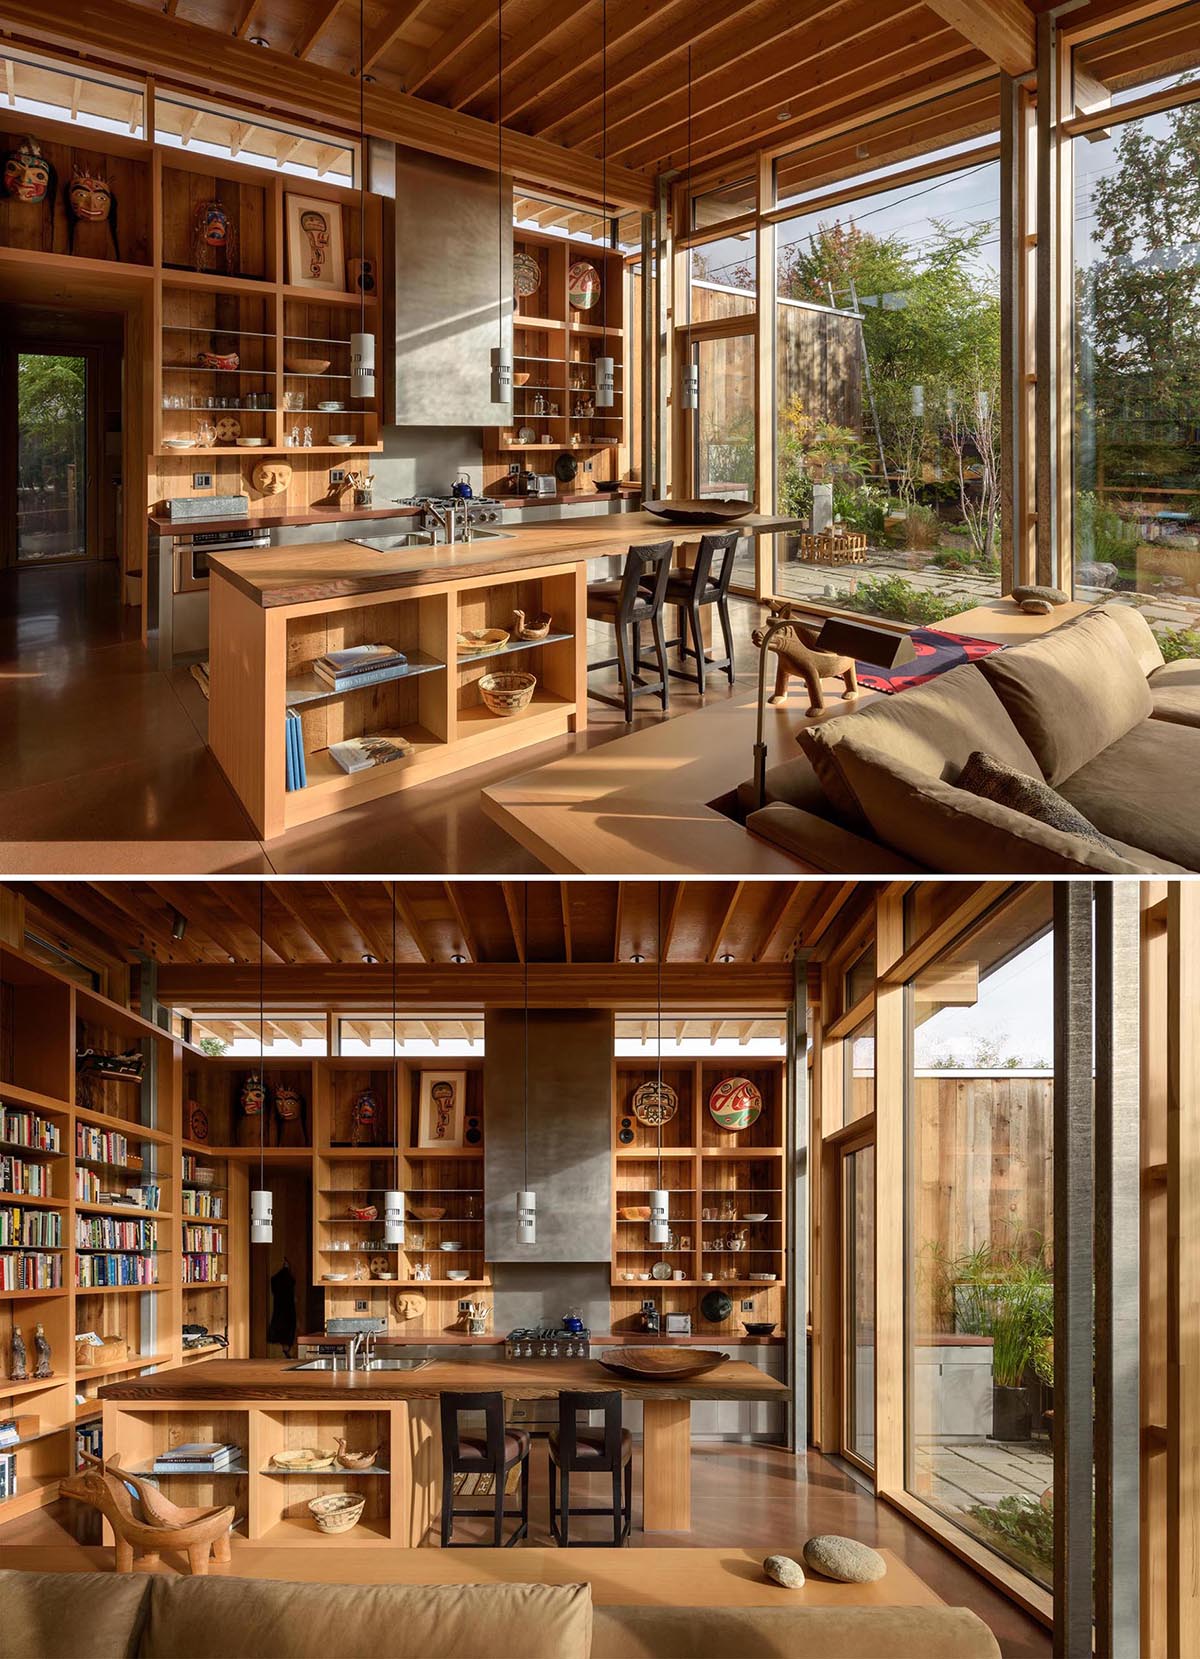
102 1146
360 665
89 1437
18 1175
205 1270
190 1166
295 768
8 1475
21 1127
91 1189
198 1457
32 1229
198 1237
112 1272
198 1202
106 1232
30 1270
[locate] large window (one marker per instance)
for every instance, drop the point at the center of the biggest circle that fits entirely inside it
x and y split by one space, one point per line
887 389
1137 356
979 1227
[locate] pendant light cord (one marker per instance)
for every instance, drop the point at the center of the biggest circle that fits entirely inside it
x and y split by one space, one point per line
525 983
604 161
500 172
362 168
262 1035
659 956
395 1049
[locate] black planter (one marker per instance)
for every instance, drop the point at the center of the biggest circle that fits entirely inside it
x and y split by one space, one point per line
1012 1414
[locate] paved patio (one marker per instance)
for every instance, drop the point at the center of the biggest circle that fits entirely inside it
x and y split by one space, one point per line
983 1471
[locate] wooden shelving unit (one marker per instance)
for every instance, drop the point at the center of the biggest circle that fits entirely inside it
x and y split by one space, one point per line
555 345
704 1167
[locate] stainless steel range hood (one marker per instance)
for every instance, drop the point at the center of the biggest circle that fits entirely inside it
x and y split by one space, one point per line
570 1109
446 307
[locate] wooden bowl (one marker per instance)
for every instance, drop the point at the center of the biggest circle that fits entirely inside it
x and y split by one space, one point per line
666 1364
482 639
338 1512
426 1212
506 694
307 365
634 1212
521 377
707 510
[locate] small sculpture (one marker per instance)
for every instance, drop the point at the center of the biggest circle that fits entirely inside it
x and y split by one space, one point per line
364 1115
289 1114
381 1267
537 628
146 1532
41 1347
90 201
214 238
253 1127
19 1370
799 658
29 176
271 477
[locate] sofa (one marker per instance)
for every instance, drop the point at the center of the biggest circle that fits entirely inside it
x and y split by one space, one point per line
155 1616
1090 709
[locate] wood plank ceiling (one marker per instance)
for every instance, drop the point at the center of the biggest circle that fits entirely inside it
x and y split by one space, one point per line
481 922
762 70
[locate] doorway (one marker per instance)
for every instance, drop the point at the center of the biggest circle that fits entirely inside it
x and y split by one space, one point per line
51 392
721 452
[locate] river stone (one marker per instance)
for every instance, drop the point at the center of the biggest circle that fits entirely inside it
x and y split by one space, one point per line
784 1571
844 1559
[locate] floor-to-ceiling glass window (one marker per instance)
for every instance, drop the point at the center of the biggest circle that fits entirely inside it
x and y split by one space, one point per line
52 455
858 1302
979 1317
1136 504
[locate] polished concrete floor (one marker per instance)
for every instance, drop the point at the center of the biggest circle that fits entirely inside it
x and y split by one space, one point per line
104 768
748 1497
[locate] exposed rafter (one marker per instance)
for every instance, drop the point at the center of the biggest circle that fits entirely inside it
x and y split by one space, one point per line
319 20
1004 29
390 30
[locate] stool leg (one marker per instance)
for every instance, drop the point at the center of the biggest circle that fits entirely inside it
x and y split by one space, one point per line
660 647
623 644
637 647
564 1512
616 1506
498 1524
628 1498
525 1494
727 630
447 1506
698 641
551 1467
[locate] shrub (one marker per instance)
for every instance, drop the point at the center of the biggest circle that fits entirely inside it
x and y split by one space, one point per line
861 507
898 600
922 529
1101 534
1179 642
1019 1525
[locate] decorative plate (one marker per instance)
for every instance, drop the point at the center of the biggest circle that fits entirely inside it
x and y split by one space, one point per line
663 1361
653 1105
716 1305
735 1103
526 435
661 1270
527 275
583 285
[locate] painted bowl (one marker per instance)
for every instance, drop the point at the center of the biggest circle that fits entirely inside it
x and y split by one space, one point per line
337 1512
634 1212
482 639
507 694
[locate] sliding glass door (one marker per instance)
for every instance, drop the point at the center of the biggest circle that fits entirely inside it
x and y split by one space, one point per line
858 1302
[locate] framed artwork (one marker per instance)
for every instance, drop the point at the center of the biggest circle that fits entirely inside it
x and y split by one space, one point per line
440 1108
314 243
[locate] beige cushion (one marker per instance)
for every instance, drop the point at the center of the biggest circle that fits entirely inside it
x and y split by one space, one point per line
946 829
1145 791
790 1633
821 845
1143 641
991 780
1175 688
1071 693
932 729
235 1618
71 1615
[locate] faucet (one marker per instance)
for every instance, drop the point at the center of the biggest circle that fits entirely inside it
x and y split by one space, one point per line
360 1347
446 516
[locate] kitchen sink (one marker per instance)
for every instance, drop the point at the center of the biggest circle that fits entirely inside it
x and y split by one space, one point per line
427 538
397 1364
327 1362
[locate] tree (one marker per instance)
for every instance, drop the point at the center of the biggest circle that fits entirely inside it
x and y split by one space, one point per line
51 411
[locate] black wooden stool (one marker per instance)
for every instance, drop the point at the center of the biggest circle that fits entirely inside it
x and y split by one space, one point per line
607 1450
492 1452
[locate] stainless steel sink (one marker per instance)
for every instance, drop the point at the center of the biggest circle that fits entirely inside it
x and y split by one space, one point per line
427 538
397 1364
328 1363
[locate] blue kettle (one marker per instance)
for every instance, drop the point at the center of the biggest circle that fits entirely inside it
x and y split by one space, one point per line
461 488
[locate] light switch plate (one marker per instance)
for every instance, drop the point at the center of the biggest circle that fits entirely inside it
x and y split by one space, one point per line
337 475
747 1304
202 480
463 1306
360 1307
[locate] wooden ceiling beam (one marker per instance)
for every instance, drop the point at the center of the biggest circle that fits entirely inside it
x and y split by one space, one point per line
378 942
186 55
718 938
321 19
390 30
297 988
123 896
469 943
247 18
1005 30
564 901
537 33
471 22
516 920
188 898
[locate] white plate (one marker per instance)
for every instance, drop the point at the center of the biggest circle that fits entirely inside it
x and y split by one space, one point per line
331 408
661 1270
452 1244
458 1273
754 1215
342 439
179 443
335 1278
767 1278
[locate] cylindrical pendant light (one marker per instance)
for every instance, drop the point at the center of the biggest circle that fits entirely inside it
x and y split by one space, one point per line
362 344
262 1218
605 379
502 357
393 1199
526 1198
689 369
660 1198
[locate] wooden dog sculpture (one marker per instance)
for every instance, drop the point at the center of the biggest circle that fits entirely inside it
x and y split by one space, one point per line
796 648
161 1525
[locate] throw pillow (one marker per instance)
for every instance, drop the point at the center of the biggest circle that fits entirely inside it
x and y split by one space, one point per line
992 780
1034 590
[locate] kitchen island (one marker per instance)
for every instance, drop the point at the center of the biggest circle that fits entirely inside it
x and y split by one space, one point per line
274 611
268 1406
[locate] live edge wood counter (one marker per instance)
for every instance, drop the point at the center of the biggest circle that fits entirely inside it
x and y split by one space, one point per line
274 612
288 1407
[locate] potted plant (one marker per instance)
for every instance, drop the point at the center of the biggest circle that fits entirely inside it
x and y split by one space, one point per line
1012 1409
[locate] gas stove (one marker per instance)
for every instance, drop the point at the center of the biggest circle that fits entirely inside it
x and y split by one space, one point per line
448 501
543 1342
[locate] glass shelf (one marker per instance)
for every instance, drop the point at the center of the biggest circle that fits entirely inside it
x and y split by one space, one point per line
465 658
305 688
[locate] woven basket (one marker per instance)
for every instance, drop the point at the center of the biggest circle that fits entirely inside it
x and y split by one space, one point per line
338 1512
111 1351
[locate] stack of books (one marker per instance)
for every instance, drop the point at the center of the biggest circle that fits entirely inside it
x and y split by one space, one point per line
360 665
356 754
295 770
8 1475
198 1457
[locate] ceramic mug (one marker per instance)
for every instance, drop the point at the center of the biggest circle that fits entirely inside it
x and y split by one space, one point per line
706 1276
678 1273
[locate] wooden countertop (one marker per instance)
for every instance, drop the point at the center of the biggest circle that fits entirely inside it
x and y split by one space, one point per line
309 573
252 1379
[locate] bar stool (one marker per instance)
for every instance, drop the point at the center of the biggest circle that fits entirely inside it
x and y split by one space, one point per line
471 1453
607 1450
691 590
634 598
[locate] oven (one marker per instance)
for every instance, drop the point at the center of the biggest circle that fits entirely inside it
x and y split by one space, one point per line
183 578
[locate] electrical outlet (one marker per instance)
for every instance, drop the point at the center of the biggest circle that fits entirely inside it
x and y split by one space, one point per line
464 1307
514 470
587 466
747 1304
337 475
202 480
361 1307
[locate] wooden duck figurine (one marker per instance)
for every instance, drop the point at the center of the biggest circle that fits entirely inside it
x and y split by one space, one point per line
538 628
197 1533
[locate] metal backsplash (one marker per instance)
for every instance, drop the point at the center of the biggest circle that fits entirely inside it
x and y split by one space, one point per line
570 1106
449 297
